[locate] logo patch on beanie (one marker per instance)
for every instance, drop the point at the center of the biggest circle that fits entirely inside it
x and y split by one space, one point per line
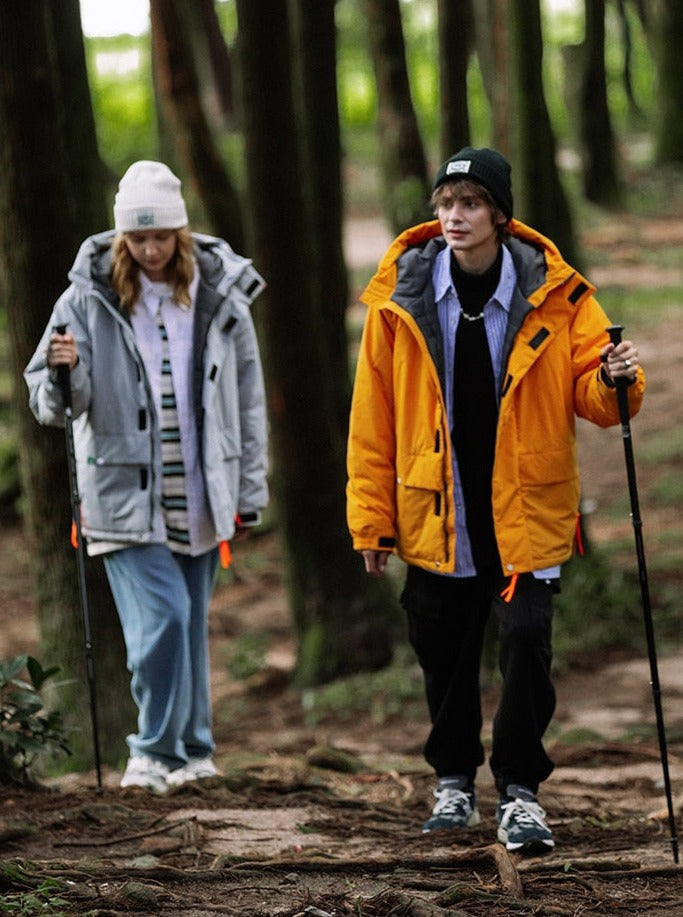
144 218
460 165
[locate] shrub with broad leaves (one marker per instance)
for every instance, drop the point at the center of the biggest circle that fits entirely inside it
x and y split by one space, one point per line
27 729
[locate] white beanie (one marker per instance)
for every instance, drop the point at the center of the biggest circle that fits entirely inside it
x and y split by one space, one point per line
149 198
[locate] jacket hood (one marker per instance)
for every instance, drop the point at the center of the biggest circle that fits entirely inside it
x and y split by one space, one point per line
540 266
220 266
92 264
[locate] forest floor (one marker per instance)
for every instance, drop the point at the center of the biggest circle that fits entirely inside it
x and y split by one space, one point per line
319 811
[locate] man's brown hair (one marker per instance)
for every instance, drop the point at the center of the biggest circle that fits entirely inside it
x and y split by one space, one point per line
465 187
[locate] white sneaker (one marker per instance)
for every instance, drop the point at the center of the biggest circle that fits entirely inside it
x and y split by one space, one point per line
145 772
195 769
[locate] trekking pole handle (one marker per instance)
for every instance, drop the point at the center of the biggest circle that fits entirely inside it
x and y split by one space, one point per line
64 374
614 332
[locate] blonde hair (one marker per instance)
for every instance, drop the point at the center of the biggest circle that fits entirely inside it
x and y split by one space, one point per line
464 187
125 271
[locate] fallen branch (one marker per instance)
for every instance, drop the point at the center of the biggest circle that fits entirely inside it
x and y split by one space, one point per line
509 875
106 842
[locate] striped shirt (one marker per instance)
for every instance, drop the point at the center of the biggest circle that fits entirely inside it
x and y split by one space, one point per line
178 322
496 313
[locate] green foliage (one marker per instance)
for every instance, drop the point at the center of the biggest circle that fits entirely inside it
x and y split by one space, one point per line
661 447
248 658
596 608
356 82
26 729
226 10
667 490
384 694
635 307
601 607
121 87
43 901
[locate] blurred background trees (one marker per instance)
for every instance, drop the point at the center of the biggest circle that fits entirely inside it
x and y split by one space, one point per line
285 119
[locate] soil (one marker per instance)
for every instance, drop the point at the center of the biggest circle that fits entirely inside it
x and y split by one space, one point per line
319 814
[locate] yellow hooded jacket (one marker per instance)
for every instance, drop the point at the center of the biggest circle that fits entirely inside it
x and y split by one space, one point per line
400 487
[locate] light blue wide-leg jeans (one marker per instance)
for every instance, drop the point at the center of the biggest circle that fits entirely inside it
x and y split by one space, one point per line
162 600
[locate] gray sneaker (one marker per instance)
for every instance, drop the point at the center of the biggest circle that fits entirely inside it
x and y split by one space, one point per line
455 807
521 821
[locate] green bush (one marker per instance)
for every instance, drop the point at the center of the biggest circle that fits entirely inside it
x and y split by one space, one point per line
26 728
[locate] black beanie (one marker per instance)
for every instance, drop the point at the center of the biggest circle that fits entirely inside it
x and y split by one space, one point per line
489 168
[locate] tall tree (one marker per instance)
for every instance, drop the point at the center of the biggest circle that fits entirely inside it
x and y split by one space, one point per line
540 197
600 172
343 622
404 164
668 39
216 78
627 44
50 197
176 81
315 80
456 41
491 31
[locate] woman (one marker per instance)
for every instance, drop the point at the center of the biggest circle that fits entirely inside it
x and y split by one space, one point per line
170 440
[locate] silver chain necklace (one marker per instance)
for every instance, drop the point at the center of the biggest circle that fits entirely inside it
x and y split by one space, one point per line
472 318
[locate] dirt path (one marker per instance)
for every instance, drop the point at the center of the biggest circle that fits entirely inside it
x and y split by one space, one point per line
288 831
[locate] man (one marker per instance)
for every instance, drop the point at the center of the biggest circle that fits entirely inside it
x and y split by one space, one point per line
480 347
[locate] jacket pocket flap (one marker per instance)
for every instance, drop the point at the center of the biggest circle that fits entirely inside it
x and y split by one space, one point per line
229 445
424 470
551 467
121 449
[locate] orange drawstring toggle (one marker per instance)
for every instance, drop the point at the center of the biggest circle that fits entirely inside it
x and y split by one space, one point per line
225 554
74 534
509 590
579 540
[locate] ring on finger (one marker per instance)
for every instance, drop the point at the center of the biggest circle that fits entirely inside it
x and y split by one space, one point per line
627 364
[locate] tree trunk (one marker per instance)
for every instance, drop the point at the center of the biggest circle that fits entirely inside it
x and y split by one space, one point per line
176 80
315 79
627 71
491 31
342 624
668 35
539 196
406 185
601 184
50 195
216 77
456 40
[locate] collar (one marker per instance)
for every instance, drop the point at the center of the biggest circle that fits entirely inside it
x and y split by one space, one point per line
151 291
443 282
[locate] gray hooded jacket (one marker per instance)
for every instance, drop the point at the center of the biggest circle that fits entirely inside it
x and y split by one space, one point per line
116 430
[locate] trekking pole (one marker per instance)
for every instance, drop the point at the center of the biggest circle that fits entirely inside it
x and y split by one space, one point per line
614 332
64 380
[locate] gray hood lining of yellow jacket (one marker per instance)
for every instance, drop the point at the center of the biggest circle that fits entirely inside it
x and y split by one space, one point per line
414 293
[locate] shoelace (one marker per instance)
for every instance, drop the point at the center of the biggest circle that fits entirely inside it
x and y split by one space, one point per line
450 800
526 813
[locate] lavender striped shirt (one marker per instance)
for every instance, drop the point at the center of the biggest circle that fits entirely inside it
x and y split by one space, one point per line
496 313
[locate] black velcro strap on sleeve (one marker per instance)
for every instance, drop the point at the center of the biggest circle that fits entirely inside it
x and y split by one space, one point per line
538 338
577 292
